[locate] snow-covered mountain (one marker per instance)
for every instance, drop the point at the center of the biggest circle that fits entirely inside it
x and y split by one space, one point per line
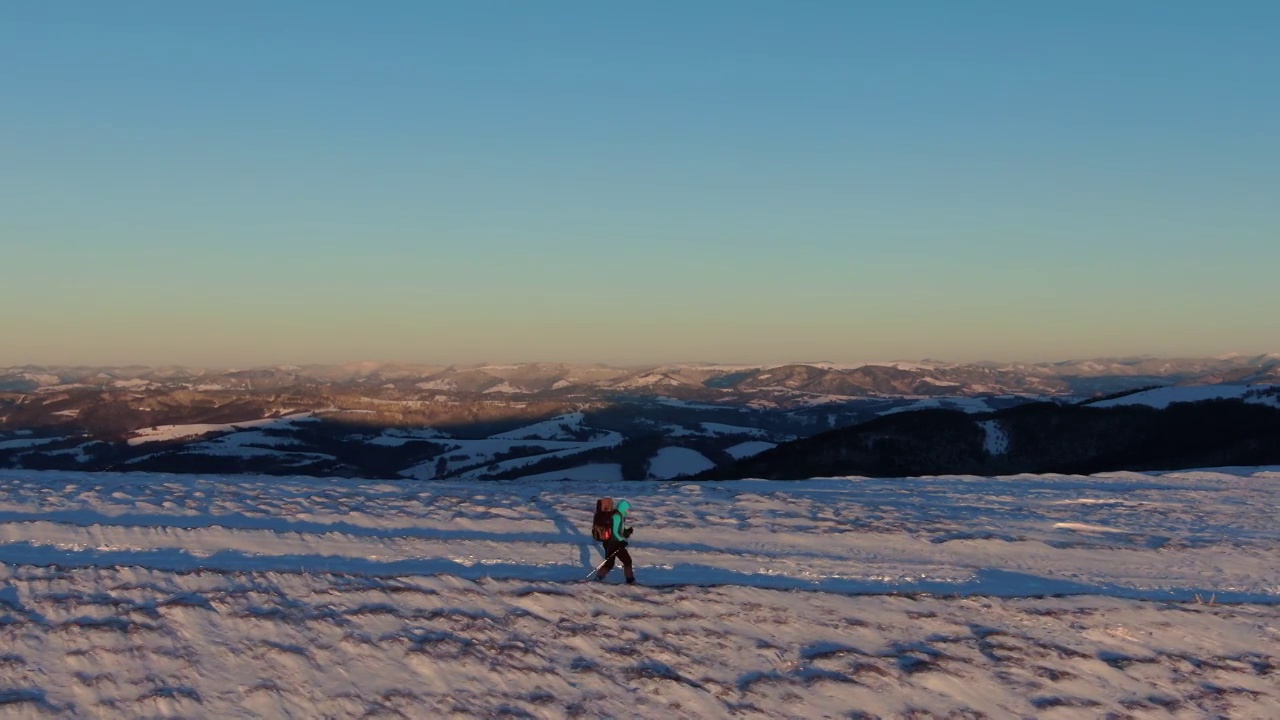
1081 377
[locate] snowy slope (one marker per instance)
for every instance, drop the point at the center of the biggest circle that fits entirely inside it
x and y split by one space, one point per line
964 404
1143 595
673 462
164 433
600 472
717 429
477 457
1160 398
395 437
28 442
557 428
995 439
749 448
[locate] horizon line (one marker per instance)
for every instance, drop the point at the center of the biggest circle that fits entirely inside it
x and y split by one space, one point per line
636 366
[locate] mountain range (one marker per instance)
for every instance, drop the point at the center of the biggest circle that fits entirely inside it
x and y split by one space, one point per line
563 420
1079 377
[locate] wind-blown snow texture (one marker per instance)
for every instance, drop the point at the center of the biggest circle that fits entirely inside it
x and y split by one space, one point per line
149 595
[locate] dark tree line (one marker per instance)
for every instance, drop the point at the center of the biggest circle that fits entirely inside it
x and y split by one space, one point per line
1042 438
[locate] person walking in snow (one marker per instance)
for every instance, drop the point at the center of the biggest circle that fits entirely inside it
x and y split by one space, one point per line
609 526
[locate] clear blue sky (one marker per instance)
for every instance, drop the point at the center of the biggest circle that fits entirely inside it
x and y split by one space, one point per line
264 182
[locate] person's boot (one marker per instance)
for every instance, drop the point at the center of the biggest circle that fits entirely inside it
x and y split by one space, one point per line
600 575
631 578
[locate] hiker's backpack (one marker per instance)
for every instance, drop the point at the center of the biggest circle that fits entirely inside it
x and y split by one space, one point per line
602 523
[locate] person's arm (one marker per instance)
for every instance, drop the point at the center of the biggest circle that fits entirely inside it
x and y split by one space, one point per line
618 521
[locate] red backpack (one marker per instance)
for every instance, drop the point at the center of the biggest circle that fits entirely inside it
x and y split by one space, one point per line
602 523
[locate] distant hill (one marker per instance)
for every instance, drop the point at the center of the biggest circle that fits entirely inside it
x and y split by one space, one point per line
1032 438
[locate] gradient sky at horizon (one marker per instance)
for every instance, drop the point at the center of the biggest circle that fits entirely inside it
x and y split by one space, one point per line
730 181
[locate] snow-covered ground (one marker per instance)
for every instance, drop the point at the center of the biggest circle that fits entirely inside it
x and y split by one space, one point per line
674 462
749 448
1126 594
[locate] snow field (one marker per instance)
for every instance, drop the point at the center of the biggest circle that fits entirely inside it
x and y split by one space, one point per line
143 595
133 642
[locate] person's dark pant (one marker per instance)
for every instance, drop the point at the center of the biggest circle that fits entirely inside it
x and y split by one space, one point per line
615 551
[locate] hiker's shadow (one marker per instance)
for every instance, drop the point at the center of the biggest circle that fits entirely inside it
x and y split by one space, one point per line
571 532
